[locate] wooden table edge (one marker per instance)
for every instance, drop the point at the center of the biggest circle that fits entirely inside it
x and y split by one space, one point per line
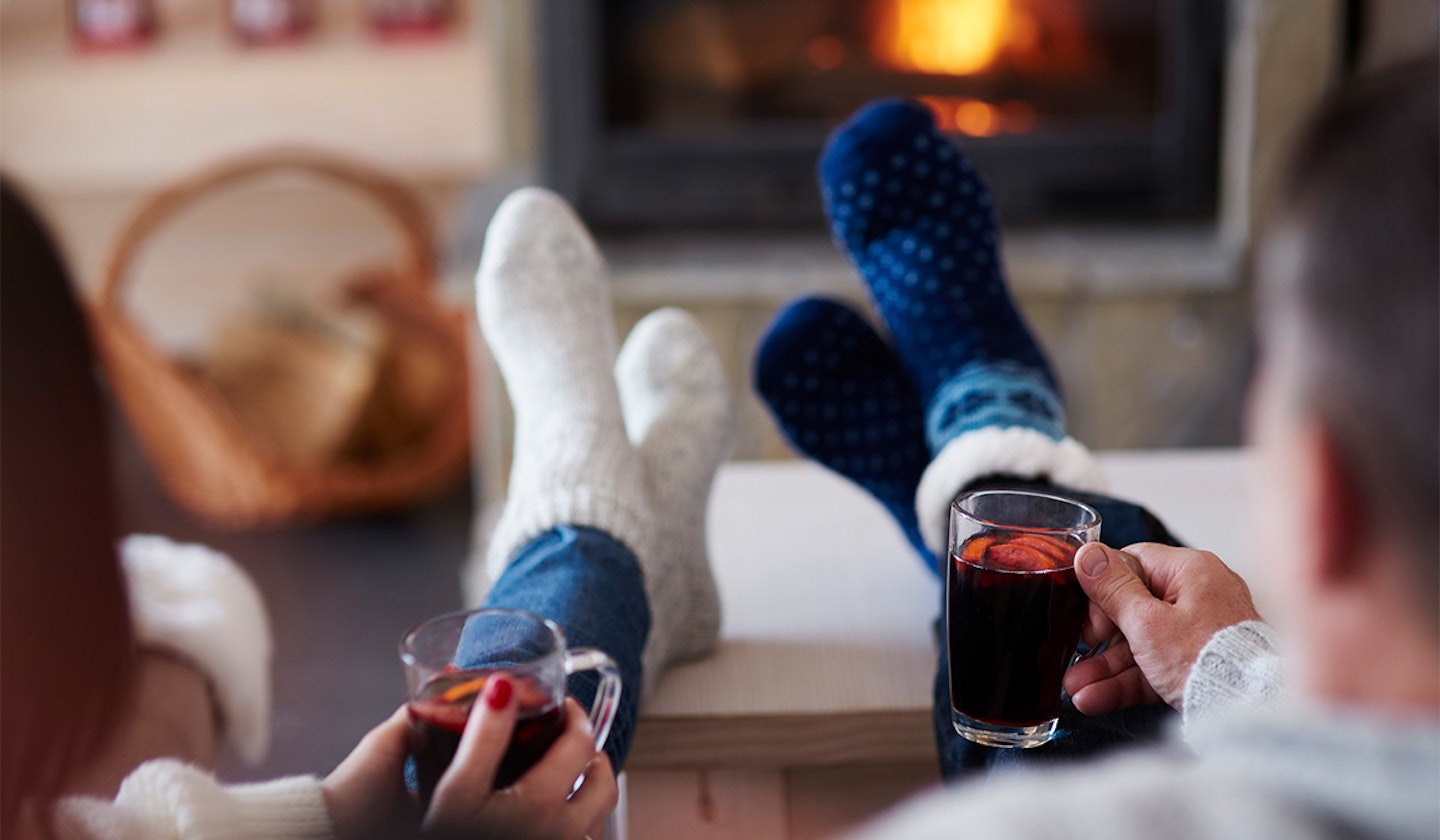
818 739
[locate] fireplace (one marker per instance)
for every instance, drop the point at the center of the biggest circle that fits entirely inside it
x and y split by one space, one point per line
708 114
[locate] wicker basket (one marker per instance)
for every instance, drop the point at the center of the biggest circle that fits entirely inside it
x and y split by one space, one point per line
209 462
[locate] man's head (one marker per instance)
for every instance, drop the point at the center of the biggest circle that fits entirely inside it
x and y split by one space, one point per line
1346 407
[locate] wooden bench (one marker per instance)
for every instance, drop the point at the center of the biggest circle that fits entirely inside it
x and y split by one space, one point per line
814 711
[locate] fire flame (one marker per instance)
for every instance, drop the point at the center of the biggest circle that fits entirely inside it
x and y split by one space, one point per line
978 118
967 37
949 37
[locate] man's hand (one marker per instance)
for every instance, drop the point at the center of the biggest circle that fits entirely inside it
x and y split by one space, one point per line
1156 632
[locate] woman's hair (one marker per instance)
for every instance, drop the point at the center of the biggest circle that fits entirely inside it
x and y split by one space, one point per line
66 646
1362 203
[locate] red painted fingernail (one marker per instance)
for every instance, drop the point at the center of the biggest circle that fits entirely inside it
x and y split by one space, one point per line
498 693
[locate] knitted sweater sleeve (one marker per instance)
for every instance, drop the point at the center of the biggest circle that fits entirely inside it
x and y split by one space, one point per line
1239 669
169 799
1151 793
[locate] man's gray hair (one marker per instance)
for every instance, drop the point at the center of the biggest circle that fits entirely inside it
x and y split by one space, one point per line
1362 293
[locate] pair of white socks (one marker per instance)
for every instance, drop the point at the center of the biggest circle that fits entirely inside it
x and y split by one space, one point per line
625 442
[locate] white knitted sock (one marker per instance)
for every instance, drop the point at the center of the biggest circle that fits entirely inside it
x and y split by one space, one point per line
680 414
544 307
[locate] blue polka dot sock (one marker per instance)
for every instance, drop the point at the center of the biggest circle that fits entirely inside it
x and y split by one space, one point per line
840 397
916 219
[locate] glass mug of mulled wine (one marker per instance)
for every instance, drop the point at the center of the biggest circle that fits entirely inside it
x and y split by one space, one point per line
449 660
1014 611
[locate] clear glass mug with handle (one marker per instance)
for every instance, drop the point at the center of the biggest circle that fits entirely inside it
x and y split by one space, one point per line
1014 611
449 660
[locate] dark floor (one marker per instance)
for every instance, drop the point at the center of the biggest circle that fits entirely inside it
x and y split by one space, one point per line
339 594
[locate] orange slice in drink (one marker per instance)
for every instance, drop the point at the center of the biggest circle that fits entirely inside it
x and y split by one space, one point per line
1058 552
974 550
459 691
1018 557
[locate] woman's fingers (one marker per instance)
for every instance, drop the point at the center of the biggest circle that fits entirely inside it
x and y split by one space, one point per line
540 803
365 791
555 774
390 737
597 797
487 734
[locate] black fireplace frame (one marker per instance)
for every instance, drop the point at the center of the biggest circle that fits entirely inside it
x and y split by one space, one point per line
624 180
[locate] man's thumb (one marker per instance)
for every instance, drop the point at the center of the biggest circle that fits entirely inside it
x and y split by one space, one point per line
1112 581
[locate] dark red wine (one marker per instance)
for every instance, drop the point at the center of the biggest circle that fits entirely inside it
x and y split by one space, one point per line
438 716
1014 618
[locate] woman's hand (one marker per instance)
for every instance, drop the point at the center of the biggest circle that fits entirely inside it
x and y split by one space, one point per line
366 796
536 806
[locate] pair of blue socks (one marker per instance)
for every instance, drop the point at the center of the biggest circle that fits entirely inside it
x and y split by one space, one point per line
916 219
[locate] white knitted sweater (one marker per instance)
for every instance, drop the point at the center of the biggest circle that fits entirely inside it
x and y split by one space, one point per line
1250 763
165 800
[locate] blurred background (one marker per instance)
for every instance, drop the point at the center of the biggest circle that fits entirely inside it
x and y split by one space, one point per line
1130 144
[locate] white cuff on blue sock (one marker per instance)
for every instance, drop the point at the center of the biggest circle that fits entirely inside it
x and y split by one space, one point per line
1013 451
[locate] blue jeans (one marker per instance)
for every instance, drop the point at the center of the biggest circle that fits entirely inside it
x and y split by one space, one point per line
591 585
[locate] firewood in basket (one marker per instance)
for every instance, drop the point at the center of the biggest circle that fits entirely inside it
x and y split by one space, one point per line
299 378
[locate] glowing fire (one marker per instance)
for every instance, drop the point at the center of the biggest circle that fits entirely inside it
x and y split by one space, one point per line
978 118
950 37
966 37
1030 39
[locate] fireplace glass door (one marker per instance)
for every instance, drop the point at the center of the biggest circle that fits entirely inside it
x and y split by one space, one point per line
712 112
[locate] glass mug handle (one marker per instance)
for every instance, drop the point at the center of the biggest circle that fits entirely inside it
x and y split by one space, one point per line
607 697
